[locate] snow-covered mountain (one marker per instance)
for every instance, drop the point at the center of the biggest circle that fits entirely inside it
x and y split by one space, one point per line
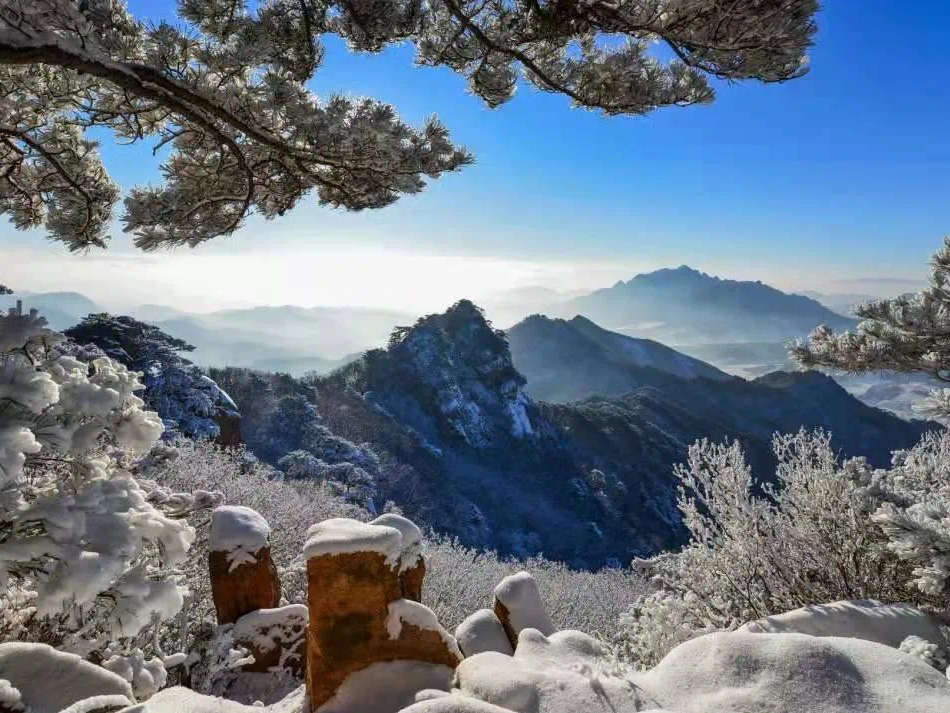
685 306
481 458
600 361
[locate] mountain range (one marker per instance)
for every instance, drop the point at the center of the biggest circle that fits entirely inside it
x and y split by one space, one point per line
685 306
283 338
484 456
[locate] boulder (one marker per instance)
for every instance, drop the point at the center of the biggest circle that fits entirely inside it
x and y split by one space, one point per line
51 681
358 614
243 575
518 606
277 638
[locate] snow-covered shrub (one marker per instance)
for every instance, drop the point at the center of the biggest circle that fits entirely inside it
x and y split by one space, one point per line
760 550
915 512
927 651
461 580
87 559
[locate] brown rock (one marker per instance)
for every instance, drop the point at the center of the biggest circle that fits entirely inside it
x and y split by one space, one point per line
248 587
410 581
504 616
350 588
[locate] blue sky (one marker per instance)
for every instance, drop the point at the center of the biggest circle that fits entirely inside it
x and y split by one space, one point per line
826 182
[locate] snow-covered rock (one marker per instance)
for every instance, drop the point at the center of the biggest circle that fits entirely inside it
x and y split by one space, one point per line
276 638
345 536
725 672
51 681
518 606
887 624
387 687
793 673
481 632
239 532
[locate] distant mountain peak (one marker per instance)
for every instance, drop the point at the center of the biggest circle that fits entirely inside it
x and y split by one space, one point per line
684 306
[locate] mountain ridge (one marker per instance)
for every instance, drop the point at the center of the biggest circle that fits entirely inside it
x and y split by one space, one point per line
685 306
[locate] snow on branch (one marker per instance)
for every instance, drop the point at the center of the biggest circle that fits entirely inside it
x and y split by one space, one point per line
223 97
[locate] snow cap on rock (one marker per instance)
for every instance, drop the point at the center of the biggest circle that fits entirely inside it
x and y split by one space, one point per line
342 535
238 531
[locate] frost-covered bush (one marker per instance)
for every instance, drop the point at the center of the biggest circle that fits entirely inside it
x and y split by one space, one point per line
759 550
88 559
460 580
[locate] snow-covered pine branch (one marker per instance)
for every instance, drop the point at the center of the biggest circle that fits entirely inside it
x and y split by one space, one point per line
226 92
910 333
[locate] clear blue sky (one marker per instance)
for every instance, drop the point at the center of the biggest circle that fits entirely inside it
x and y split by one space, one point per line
842 175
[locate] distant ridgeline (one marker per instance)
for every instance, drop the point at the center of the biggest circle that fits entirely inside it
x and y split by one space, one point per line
449 427
685 306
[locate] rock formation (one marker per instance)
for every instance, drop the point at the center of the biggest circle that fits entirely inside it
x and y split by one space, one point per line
518 606
361 613
243 576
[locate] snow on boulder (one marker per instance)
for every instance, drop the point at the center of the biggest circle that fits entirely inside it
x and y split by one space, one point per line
736 672
184 700
410 612
243 575
387 687
51 681
239 532
723 672
412 566
481 632
276 638
518 606
887 624
342 535
568 672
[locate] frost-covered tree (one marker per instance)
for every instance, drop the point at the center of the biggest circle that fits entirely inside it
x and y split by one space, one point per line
224 93
87 560
188 401
824 533
910 333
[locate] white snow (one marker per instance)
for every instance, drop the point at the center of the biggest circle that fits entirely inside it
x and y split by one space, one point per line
521 597
793 673
147 677
724 672
238 531
184 700
387 687
344 536
419 615
51 681
568 672
887 624
411 547
482 632
10 698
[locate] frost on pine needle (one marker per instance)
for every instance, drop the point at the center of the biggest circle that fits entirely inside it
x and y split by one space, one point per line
222 92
